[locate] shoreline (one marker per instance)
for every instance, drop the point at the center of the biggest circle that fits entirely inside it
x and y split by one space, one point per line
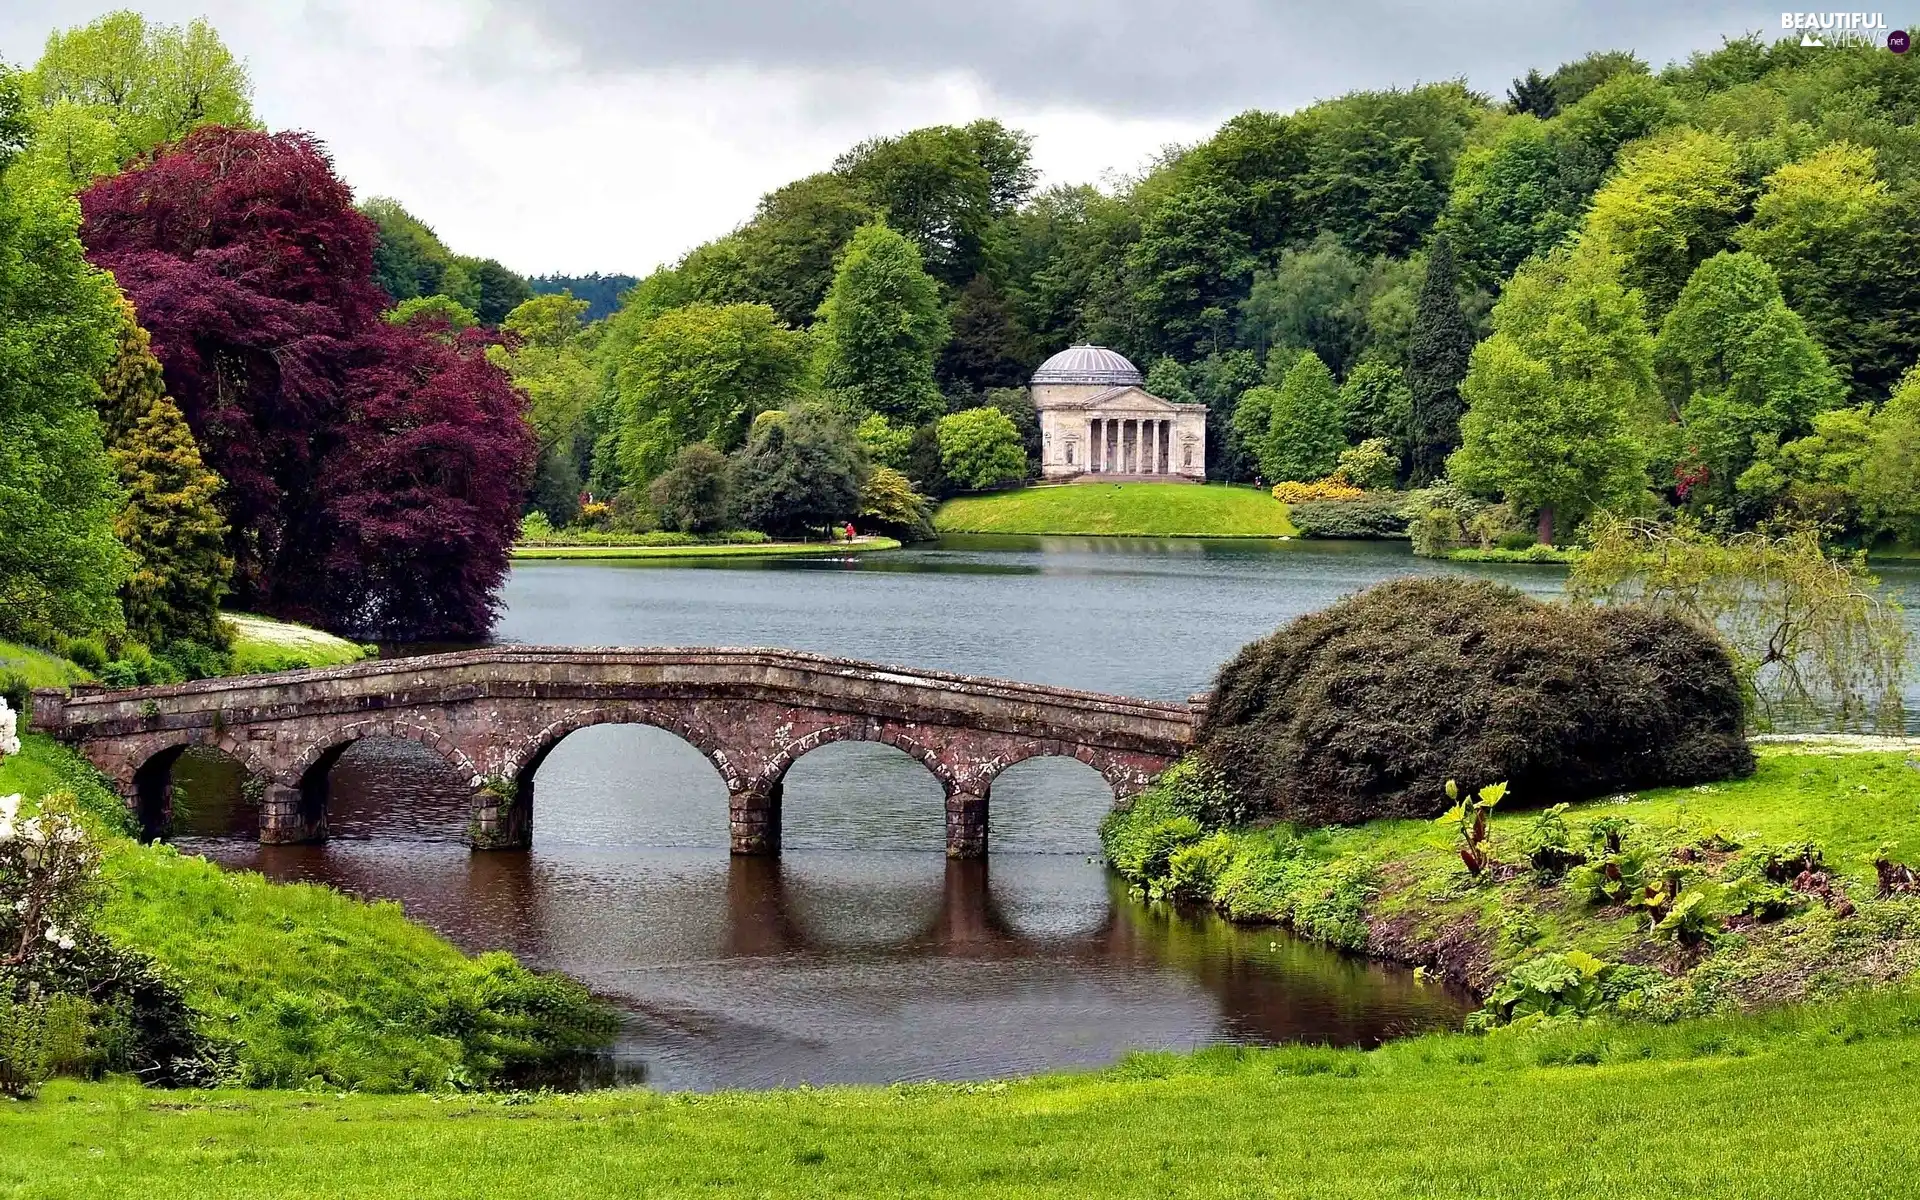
865 545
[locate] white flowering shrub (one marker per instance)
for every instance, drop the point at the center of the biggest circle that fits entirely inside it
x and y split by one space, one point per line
49 873
9 729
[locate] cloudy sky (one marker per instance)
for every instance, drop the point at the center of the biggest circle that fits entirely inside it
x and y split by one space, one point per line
582 135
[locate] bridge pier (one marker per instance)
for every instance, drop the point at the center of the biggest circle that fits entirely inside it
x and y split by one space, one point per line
291 815
753 819
967 820
502 817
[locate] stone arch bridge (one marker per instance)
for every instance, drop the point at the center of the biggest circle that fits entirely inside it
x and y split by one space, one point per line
494 714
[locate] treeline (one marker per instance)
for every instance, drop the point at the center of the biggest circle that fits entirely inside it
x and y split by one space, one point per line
1364 272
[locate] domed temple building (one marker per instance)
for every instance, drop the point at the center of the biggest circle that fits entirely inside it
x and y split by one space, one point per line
1098 419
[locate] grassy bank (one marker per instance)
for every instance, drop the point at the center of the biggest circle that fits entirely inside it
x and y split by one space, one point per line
1783 864
1120 510
38 668
262 644
1805 1101
736 550
315 988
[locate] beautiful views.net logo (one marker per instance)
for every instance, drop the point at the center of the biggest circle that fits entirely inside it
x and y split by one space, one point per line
1844 28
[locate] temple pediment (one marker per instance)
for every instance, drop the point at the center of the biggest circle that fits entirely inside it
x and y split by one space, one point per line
1129 399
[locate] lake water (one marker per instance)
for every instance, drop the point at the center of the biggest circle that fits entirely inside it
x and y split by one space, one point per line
861 954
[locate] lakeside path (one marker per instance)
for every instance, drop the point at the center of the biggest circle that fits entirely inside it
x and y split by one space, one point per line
743 550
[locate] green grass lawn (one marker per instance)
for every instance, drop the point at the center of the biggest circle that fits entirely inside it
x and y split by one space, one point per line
1122 510
741 550
262 644
1807 1101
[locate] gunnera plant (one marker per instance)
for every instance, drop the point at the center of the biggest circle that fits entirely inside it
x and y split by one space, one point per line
1368 708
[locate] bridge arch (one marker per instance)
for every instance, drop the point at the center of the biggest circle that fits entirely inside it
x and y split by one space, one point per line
905 740
149 791
1122 778
521 762
306 783
525 757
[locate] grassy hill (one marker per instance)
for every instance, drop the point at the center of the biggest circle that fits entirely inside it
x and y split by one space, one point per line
1120 510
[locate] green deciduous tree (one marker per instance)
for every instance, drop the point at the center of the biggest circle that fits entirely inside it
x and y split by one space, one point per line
121 86
980 448
1890 476
1250 425
1317 299
691 495
1673 204
1436 363
701 373
169 523
1575 81
1377 163
789 247
1305 427
883 325
1738 366
1190 267
60 567
409 259
889 503
799 472
1377 404
942 186
1552 397
883 442
486 287
549 357
436 310
1846 248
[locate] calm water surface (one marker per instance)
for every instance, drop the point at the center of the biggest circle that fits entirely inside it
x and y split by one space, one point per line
861 954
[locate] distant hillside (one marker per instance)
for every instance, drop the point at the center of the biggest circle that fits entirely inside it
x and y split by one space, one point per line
601 292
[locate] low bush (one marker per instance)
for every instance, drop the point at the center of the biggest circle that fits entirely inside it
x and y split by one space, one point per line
1369 708
1369 517
1331 488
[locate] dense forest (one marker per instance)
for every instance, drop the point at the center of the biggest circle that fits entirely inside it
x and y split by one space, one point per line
1609 290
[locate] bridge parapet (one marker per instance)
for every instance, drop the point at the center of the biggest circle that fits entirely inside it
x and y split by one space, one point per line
495 713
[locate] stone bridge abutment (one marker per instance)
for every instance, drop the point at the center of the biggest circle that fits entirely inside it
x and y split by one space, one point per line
493 716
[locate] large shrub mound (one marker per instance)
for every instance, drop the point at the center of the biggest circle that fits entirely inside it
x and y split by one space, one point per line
1366 709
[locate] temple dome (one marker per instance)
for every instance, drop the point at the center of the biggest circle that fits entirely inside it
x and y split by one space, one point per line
1089 364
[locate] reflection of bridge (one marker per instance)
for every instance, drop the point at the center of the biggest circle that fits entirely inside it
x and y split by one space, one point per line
495 714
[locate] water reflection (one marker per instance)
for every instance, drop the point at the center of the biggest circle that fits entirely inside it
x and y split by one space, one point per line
860 955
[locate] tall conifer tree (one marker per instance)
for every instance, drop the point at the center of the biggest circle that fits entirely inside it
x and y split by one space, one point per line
169 522
1436 363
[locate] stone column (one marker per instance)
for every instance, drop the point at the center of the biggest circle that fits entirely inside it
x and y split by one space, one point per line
1166 447
753 818
288 816
967 820
1094 434
502 820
